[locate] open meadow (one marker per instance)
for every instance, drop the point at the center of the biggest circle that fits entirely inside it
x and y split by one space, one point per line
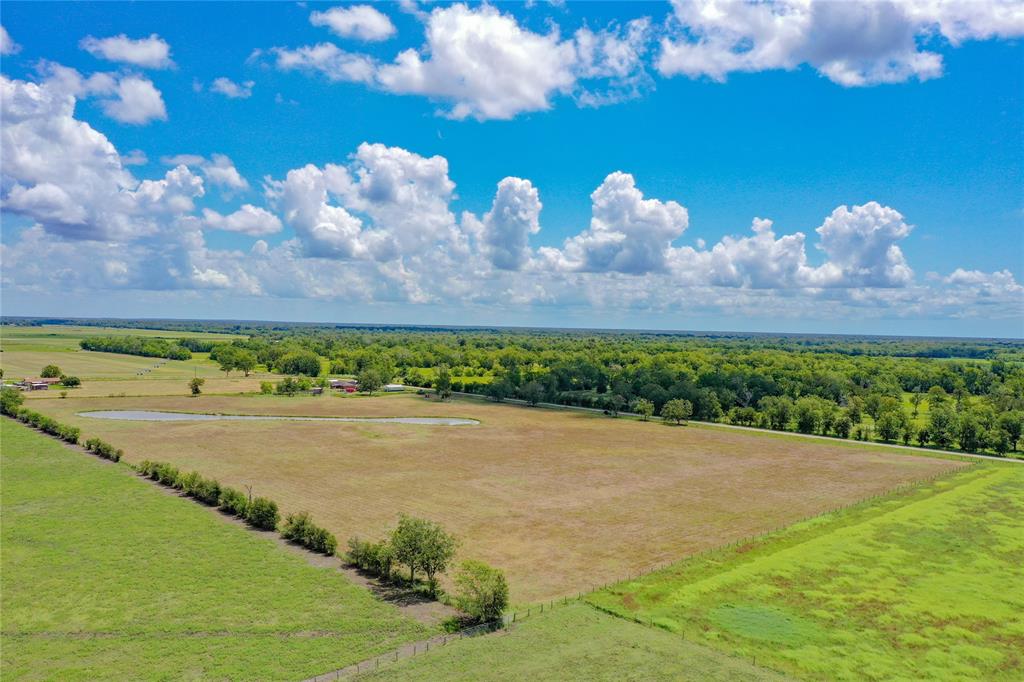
576 642
26 350
105 576
923 585
561 501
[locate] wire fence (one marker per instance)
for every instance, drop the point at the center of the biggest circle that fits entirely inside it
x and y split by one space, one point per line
510 619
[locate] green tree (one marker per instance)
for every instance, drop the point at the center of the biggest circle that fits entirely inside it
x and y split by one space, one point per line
614 404
423 545
481 591
778 410
443 382
915 399
10 400
807 411
969 432
677 410
70 382
300 362
50 372
532 392
498 390
245 360
371 379
226 359
644 408
196 385
941 425
266 387
1012 423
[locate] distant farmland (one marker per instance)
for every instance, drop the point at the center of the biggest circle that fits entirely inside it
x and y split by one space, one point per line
561 501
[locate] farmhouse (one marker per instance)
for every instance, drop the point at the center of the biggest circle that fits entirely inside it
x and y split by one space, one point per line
394 388
343 383
41 384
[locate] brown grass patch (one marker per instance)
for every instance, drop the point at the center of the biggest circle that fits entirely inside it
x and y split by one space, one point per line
562 501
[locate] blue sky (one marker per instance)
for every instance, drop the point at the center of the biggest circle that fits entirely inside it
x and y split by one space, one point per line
907 119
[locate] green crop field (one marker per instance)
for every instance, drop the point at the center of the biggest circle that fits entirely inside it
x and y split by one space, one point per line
104 576
575 642
925 585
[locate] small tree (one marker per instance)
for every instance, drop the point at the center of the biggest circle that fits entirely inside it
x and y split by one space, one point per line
614 404
10 400
423 545
51 372
196 385
498 390
443 382
644 408
481 591
677 410
532 392
266 387
245 360
70 382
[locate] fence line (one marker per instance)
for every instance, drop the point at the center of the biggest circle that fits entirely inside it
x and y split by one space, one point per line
509 620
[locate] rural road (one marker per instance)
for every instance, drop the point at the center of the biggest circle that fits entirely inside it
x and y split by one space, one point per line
718 425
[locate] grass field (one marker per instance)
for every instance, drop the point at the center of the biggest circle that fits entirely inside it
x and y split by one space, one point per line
105 576
26 350
925 585
575 642
561 500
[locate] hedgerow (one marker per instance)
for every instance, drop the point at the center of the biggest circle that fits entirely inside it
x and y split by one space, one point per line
301 529
49 425
103 449
262 513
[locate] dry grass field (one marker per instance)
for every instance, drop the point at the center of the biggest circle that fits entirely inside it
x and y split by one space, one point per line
560 500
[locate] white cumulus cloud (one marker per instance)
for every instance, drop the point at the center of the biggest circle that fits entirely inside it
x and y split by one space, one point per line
231 89
362 22
249 219
152 52
853 43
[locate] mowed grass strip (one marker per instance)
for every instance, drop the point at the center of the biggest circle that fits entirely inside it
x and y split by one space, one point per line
575 642
106 577
921 586
562 501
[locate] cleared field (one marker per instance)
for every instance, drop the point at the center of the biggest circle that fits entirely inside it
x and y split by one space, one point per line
576 642
562 501
106 577
26 350
925 585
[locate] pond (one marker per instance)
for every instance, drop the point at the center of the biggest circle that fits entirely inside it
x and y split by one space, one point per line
155 416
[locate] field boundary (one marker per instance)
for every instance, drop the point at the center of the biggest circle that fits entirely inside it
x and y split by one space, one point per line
333 562
847 442
511 618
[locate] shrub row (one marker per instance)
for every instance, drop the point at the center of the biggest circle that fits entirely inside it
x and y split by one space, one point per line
104 449
375 557
49 425
260 512
301 529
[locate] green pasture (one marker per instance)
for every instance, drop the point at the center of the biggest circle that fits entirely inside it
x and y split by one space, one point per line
924 585
105 576
574 642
